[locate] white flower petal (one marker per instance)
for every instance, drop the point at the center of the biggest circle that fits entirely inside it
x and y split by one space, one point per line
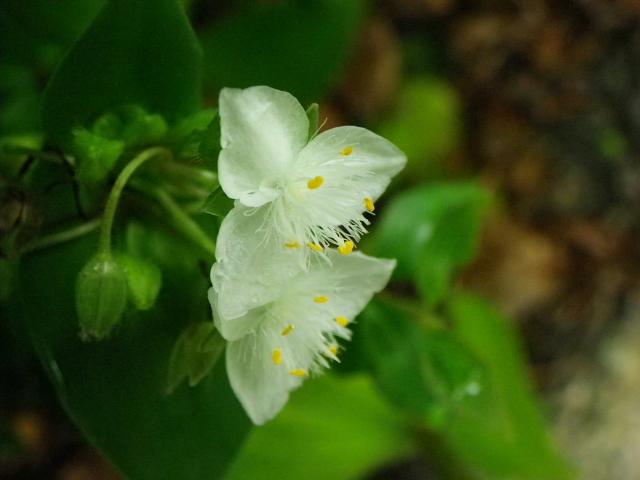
262 131
235 328
253 263
371 161
261 386
297 331
349 282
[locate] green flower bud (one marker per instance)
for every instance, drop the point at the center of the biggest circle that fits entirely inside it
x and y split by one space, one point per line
194 354
101 296
143 278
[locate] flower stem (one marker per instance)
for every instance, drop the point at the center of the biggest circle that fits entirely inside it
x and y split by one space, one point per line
61 237
104 245
184 222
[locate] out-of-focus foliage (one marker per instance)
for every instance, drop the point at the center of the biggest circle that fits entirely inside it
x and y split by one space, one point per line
33 38
426 126
136 52
296 46
335 428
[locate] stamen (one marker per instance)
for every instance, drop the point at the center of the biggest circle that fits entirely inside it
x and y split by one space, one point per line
322 299
277 357
292 245
315 183
342 321
299 373
347 151
288 330
369 204
317 248
333 350
347 249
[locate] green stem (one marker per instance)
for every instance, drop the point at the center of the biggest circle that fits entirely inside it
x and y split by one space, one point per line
184 222
104 245
61 237
195 174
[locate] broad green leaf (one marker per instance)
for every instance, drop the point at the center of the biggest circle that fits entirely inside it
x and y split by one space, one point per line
115 389
296 46
395 349
432 230
33 38
428 373
504 433
337 428
140 52
217 203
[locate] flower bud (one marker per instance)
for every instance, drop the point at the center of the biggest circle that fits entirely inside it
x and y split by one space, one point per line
101 296
194 354
143 278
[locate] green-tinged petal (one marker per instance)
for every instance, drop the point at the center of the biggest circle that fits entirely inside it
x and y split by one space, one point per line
235 328
252 264
260 384
343 148
262 131
297 333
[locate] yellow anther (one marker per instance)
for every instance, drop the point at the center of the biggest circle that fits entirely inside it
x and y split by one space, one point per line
347 151
342 321
322 299
277 357
299 373
369 204
288 330
317 248
333 350
347 249
292 245
315 183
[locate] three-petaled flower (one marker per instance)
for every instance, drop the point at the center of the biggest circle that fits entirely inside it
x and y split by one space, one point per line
273 347
295 195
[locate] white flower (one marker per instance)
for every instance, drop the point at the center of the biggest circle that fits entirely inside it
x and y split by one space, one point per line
274 347
293 195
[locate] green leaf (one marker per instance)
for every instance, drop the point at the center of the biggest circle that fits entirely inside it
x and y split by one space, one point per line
209 147
33 38
296 46
217 203
395 351
337 428
115 389
139 52
432 231
504 432
429 374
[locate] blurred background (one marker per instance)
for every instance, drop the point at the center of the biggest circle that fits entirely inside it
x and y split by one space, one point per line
537 101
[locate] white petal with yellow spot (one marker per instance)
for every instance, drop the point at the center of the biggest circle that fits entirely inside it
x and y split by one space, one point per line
275 346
